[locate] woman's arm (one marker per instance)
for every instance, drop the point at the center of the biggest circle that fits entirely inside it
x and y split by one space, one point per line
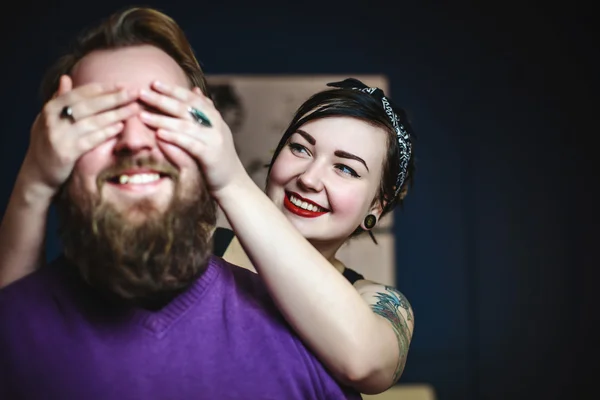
391 305
385 301
22 230
55 146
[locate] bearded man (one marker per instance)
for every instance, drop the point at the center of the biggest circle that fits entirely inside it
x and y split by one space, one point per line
136 307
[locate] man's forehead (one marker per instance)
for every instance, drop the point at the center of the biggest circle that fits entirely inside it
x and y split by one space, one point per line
134 67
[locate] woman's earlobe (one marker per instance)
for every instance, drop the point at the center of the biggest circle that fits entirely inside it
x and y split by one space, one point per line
369 222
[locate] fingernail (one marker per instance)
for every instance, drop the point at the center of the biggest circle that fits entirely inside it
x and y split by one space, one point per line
145 93
159 84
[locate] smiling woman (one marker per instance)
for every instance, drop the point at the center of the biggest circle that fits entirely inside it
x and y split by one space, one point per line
344 161
327 164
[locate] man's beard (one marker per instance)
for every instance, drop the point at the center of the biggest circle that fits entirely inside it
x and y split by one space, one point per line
144 264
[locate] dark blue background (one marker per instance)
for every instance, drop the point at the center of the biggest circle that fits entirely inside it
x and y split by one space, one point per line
494 250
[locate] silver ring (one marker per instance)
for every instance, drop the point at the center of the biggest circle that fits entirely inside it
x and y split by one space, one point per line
67 113
199 117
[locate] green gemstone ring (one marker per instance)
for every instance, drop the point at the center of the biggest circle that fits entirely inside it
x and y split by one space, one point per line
199 117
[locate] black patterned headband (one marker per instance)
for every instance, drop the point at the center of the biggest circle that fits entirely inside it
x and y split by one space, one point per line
404 139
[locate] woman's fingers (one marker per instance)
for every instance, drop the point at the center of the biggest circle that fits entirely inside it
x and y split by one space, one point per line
100 121
88 142
104 101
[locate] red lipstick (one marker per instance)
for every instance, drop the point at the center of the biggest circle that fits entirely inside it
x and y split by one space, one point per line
298 210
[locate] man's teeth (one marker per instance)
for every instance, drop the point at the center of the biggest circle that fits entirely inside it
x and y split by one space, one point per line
138 178
302 204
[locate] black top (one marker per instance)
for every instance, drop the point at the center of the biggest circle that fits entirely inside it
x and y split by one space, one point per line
352 275
223 237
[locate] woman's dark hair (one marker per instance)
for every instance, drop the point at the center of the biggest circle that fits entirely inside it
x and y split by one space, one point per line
368 108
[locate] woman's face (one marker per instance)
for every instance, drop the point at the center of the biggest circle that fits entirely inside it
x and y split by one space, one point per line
326 177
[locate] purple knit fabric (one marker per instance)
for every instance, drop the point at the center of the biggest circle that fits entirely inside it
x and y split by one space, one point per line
221 339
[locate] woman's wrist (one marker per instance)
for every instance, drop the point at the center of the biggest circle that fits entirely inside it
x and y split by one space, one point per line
31 191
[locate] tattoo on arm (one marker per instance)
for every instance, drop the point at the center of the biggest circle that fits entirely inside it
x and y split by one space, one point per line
388 306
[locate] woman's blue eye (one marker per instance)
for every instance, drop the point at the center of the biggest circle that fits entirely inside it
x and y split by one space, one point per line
296 147
347 170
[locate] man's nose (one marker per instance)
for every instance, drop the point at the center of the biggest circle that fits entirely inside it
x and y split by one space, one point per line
136 137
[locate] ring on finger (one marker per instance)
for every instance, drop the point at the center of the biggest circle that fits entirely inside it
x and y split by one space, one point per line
67 113
199 117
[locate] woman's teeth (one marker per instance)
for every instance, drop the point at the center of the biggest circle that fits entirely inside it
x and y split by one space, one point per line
304 205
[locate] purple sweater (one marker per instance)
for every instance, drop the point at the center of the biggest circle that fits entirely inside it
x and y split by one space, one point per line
221 339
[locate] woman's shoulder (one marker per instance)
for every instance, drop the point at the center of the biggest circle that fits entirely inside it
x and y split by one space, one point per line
376 288
385 299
